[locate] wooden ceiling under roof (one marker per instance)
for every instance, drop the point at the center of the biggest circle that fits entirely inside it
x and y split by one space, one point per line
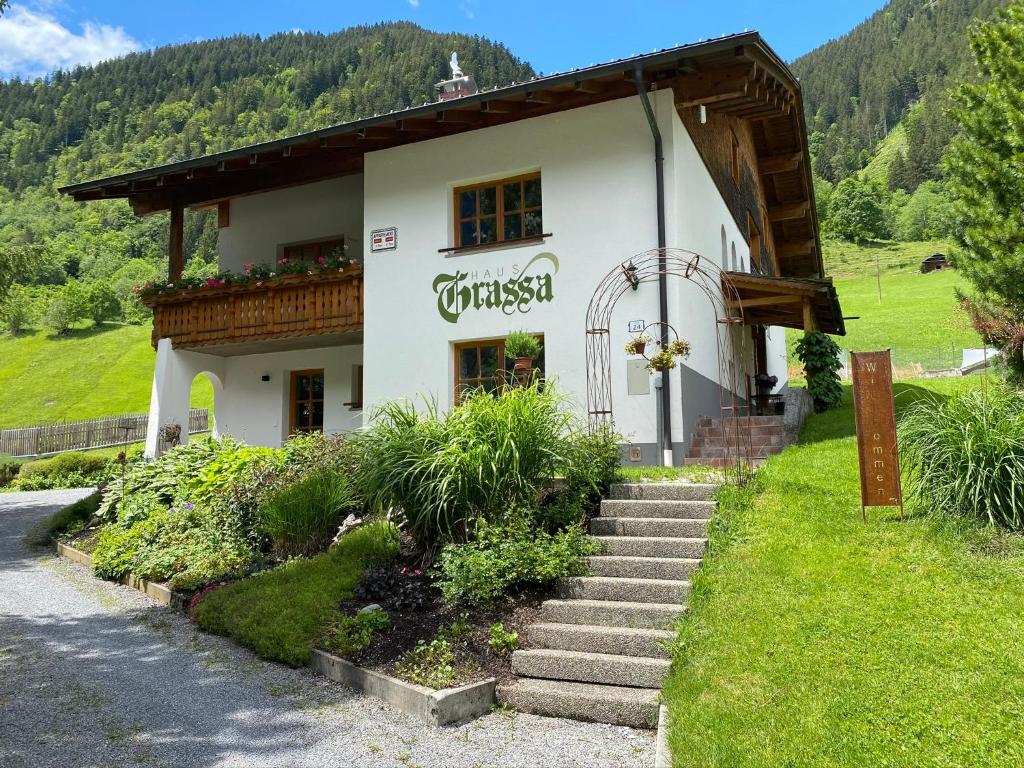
738 75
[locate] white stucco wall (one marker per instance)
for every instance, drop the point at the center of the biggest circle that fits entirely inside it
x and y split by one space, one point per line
598 176
261 223
256 411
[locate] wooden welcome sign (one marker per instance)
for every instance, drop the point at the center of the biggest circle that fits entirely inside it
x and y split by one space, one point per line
875 415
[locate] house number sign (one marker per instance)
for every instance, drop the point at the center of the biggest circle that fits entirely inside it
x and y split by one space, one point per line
875 415
515 289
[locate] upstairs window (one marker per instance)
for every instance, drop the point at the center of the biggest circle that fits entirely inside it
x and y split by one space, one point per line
498 211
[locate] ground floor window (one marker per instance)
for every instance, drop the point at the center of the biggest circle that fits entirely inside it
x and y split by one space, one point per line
307 401
483 364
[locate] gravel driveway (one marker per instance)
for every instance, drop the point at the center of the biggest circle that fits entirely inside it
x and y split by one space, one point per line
94 674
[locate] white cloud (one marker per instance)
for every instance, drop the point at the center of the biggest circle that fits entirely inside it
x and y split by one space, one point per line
34 43
468 7
414 3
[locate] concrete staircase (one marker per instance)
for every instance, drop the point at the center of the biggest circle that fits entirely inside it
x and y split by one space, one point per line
721 442
598 651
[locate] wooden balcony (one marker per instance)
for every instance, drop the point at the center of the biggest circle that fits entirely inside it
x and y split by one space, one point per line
241 316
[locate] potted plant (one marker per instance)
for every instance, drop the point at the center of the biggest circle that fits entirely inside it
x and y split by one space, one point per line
523 348
638 345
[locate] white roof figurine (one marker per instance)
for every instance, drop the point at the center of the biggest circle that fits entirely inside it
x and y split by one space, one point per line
454 64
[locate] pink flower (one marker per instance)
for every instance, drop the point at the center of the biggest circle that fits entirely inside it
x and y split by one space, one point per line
321 259
283 260
248 267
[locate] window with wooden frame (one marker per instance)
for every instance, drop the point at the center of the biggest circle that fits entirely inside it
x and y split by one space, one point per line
311 250
357 388
482 364
306 401
499 211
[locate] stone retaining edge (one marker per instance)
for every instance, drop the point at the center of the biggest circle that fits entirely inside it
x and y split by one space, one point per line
159 592
442 707
662 754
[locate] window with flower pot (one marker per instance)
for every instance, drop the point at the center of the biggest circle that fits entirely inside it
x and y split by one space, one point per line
306 402
482 364
312 251
505 210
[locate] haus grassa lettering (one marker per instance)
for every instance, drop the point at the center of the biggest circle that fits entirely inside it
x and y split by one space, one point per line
491 289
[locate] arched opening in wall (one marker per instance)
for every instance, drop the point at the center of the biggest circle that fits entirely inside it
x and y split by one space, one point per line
206 386
743 264
733 261
725 248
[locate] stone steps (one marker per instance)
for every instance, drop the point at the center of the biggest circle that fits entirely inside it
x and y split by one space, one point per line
621 641
599 651
582 667
634 707
629 590
723 443
611 613
653 546
643 567
662 491
648 527
673 509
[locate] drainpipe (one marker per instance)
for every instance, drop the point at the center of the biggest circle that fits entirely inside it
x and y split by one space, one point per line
659 175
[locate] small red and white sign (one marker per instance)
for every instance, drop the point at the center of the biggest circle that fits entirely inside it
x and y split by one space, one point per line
384 239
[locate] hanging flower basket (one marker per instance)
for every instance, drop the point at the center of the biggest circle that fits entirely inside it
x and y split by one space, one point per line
638 345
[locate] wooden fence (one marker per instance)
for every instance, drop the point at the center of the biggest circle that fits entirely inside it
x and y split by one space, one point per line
88 433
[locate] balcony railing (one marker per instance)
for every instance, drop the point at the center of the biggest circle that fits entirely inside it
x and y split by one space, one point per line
277 308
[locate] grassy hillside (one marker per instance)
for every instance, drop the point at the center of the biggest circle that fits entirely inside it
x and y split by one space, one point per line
817 640
91 372
918 317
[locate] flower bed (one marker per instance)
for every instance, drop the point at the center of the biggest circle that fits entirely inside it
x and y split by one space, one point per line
252 275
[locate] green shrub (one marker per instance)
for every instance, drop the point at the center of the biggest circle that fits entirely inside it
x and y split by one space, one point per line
445 470
281 613
431 664
500 558
820 356
69 520
965 455
65 470
502 641
174 519
9 468
301 518
351 635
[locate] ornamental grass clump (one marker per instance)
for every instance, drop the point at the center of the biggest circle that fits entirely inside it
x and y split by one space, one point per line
446 470
301 518
965 455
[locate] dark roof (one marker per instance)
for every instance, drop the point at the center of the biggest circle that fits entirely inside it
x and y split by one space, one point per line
738 75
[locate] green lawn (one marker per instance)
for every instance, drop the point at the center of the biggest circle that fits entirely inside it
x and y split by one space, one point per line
918 317
816 640
89 373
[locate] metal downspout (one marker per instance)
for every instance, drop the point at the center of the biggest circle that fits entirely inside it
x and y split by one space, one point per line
659 175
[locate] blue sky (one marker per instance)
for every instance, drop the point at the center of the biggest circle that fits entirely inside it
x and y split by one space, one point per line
37 36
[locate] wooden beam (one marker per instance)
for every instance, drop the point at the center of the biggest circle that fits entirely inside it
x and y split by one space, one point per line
765 301
788 250
176 243
223 214
458 116
779 163
589 86
789 211
810 323
538 97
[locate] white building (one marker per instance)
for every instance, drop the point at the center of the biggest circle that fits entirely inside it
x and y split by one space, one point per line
496 211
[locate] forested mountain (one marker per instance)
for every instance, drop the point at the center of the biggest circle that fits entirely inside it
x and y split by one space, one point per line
861 86
186 100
